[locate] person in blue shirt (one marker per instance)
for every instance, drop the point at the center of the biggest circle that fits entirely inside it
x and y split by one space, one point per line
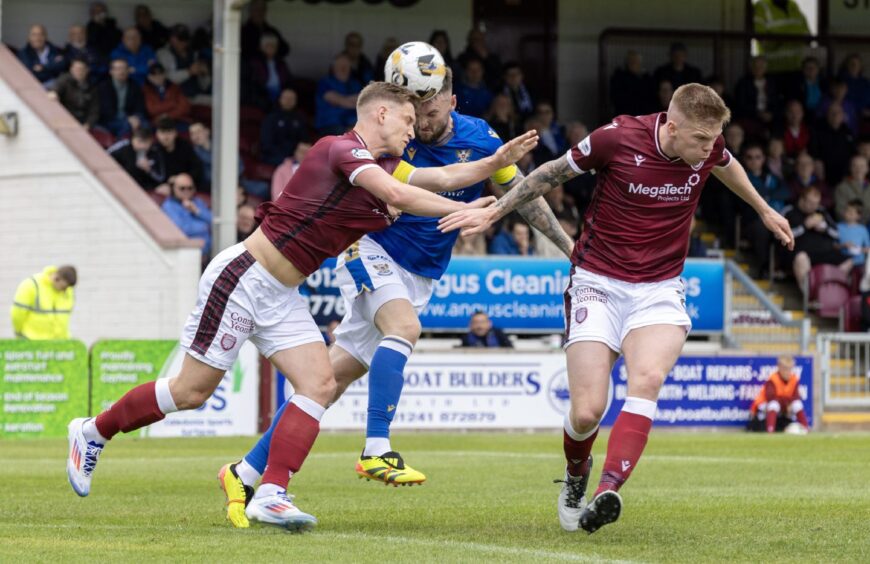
474 98
335 103
854 237
42 57
137 55
387 279
189 212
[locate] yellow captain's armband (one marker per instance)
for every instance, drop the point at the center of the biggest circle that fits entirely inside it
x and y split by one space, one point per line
403 172
504 175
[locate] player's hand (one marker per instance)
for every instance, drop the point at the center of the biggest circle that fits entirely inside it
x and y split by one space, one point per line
484 202
470 220
779 226
513 150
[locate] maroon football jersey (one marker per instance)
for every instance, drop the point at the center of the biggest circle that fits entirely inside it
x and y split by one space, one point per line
321 211
637 224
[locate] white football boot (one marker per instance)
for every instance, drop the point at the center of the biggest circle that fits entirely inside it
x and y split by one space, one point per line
82 458
278 510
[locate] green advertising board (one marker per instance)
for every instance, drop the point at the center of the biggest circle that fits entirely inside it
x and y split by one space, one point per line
45 385
118 366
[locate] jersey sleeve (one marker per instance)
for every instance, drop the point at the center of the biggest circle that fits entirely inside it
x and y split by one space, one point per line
349 158
595 151
723 155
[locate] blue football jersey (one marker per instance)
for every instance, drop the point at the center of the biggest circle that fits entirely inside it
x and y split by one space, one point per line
414 242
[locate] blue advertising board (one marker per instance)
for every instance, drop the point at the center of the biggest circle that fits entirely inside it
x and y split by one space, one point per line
520 294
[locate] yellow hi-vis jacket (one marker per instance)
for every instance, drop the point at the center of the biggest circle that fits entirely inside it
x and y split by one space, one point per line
781 56
39 311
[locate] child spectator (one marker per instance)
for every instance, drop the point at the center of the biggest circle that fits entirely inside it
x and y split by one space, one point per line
178 154
854 237
140 158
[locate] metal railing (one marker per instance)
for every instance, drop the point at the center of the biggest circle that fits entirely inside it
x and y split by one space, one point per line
844 360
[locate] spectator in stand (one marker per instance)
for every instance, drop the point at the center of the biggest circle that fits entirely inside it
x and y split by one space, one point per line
854 187
863 148
473 97
515 88
476 49
255 27
268 74
360 66
282 130
189 212
441 41
805 176
475 245
756 97
388 46
854 237
777 163
162 97
102 31
810 85
122 106
664 93
287 169
501 117
838 94
852 73
795 134
142 161
677 71
579 188
552 134
336 99
178 154
719 205
153 32
245 222
697 248
631 88
781 17
780 392
200 140
43 304
184 67
815 235
718 86
774 192
77 48
833 144
514 238
77 94
734 138
138 56
482 334
41 57
566 212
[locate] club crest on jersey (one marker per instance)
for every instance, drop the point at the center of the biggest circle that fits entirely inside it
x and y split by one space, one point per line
463 155
382 269
361 154
411 152
493 134
228 341
581 315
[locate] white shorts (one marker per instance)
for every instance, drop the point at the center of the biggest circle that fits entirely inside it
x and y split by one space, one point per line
598 308
239 300
368 278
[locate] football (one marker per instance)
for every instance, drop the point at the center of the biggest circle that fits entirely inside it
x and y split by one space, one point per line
417 66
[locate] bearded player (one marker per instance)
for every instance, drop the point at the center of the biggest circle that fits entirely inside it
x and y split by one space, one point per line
625 295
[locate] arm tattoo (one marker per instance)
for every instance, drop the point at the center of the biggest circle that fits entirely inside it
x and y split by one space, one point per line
538 214
539 182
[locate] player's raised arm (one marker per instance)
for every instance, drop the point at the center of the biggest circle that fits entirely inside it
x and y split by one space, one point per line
460 175
409 198
734 177
539 215
539 182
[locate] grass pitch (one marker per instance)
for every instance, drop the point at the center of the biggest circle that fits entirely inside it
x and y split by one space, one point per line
490 498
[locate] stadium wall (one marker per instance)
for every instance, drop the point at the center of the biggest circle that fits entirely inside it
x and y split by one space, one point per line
65 201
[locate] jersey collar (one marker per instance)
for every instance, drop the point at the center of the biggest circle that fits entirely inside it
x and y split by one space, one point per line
661 118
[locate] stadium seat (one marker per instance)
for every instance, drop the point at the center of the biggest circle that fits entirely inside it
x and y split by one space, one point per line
248 146
829 289
851 315
826 274
255 170
103 137
201 113
251 115
158 198
855 279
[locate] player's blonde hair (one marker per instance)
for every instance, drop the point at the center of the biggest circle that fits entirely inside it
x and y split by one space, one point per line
387 92
699 103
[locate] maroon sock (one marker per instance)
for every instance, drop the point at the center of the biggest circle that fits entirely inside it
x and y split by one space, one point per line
292 439
771 421
627 441
577 453
136 409
802 419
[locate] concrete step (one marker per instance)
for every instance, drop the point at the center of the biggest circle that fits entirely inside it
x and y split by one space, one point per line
746 301
777 348
849 418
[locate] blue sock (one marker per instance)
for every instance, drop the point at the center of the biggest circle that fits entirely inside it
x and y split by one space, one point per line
258 455
385 384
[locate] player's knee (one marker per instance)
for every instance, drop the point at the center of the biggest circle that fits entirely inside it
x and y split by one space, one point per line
190 398
321 389
796 406
586 418
647 382
408 329
774 406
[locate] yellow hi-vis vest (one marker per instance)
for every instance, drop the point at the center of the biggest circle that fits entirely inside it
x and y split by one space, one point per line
782 56
39 311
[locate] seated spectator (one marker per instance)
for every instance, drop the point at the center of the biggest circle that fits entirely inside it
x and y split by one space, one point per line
138 56
863 148
515 88
184 67
102 31
77 94
162 97
777 163
852 74
140 158
475 245
361 67
664 93
631 88
718 85
77 48
282 130
838 94
255 27
805 176
580 188
552 135
734 138
189 212
41 57
476 48
267 75
779 399
833 144
178 154
288 168
245 222
122 106
482 334
514 238
697 248
336 99
677 71
815 235
389 45
501 118
200 140
756 97
854 237
153 32
774 192
795 134
473 97
809 86
854 187
441 41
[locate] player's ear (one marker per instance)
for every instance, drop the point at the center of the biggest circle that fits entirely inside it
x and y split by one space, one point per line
382 114
452 102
